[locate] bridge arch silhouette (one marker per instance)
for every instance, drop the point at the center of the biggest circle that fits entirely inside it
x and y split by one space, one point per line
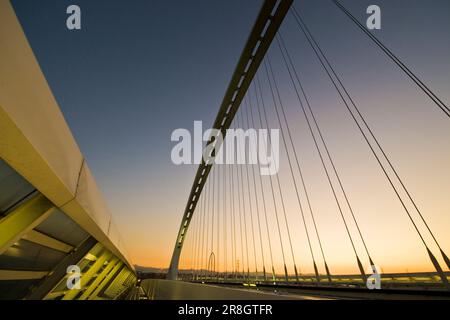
231 201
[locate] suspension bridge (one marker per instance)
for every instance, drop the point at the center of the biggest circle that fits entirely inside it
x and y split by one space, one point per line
243 229
242 235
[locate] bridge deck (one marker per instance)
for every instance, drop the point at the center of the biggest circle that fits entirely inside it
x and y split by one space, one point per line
156 289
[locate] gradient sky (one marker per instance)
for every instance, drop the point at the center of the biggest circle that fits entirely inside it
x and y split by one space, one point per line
140 69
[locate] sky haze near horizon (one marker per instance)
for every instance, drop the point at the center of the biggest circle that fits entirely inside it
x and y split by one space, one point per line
140 69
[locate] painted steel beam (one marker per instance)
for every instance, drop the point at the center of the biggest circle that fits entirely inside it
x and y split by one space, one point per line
115 288
46 241
126 284
50 282
87 293
23 219
21 275
86 277
54 295
107 280
264 30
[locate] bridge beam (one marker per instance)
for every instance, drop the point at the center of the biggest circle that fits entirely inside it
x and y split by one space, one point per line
46 241
59 272
22 220
106 280
21 275
85 278
87 293
261 36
